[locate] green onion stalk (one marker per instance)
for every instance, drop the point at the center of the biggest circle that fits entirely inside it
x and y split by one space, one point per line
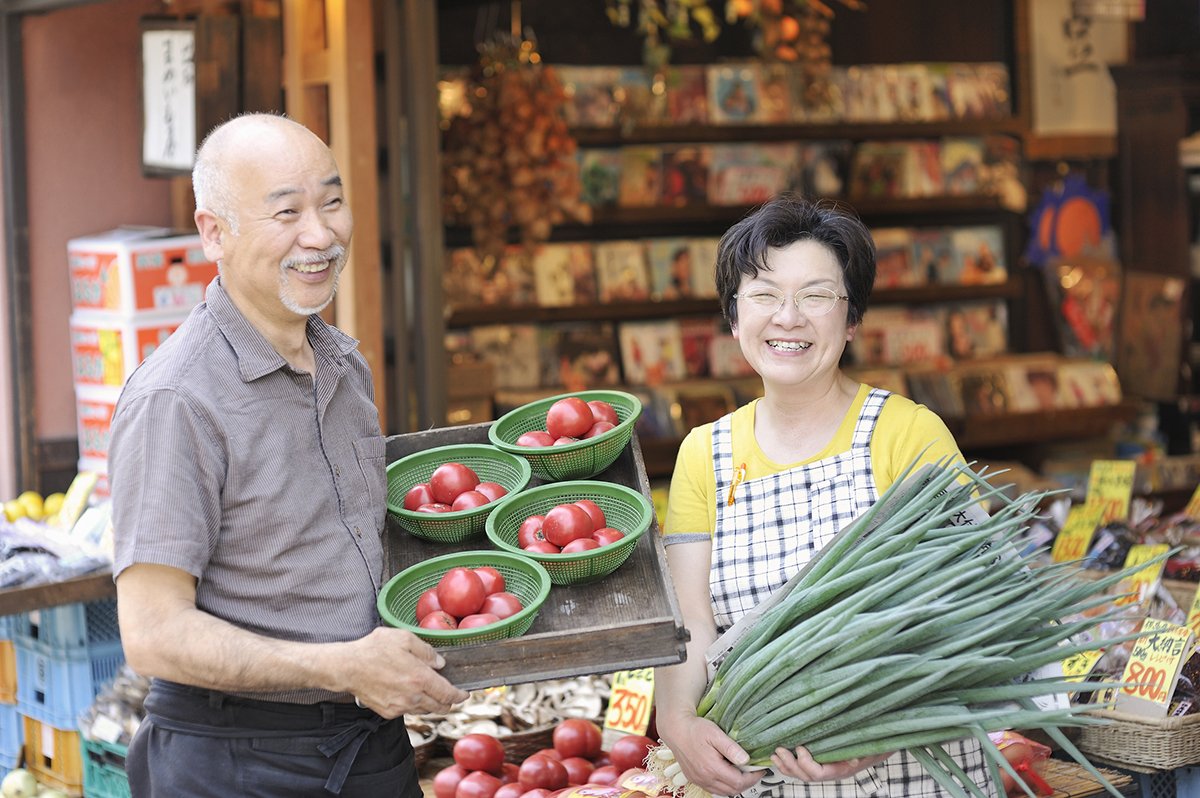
909 630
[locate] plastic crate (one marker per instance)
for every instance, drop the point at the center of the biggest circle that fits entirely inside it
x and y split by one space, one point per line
54 755
9 625
8 672
57 688
104 770
70 628
12 737
1178 783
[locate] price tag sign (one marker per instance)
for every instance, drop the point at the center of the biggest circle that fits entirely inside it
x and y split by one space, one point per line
1110 482
1153 665
1193 506
1193 616
630 702
1077 666
1140 581
1076 535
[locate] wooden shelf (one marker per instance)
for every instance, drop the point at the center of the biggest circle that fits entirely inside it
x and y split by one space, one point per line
81 588
700 134
670 309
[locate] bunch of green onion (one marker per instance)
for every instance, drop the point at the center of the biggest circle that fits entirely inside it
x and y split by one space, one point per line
919 633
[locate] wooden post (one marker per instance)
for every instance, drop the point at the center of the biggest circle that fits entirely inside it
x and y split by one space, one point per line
329 85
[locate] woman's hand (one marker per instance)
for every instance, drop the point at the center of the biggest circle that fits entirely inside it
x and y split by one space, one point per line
801 765
708 757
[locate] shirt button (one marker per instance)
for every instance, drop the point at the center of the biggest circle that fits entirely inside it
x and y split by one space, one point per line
337 471
358 531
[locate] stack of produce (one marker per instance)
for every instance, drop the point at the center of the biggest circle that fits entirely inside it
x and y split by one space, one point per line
924 631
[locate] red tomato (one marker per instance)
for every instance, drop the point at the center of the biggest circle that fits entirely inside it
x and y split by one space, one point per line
565 523
578 769
427 603
630 750
469 500
493 490
530 530
605 774
447 779
550 752
535 438
599 428
536 792
542 771
502 605
542 547
509 789
570 417
438 619
493 580
451 479
460 592
594 511
477 784
602 760
576 737
603 411
580 544
607 535
508 774
478 619
417 495
434 507
479 752
565 440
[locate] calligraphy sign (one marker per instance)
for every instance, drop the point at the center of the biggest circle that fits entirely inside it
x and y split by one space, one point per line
168 98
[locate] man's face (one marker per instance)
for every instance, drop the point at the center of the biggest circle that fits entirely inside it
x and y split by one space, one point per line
294 225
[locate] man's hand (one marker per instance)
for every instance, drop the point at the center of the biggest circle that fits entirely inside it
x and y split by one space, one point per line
394 672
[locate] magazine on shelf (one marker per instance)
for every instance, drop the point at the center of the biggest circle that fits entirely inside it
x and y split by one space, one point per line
686 89
512 349
817 99
968 93
884 82
471 281
880 170
704 266
635 96
977 329
750 174
600 176
962 165
696 335
824 167
670 262
591 101
894 267
932 254
858 93
725 358
1090 383
775 90
984 391
897 336
621 273
1001 172
578 356
992 89
564 275
978 256
733 94
935 389
915 93
925 170
651 352
1150 339
939 91
685 170
641 176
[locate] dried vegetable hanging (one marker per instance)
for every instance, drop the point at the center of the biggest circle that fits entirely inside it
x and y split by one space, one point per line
509 160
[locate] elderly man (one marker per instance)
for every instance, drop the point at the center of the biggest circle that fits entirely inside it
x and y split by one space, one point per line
247 470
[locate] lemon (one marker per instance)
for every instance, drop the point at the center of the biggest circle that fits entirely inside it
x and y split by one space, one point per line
31 500
13 510
53 504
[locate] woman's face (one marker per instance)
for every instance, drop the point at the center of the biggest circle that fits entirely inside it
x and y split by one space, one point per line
793 346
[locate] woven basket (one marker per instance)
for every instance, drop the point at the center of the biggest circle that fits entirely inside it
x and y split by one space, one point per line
1142 743
517 746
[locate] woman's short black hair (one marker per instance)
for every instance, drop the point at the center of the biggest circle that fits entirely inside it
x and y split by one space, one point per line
784 220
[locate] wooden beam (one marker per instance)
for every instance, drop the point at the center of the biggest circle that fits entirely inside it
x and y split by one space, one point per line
329 82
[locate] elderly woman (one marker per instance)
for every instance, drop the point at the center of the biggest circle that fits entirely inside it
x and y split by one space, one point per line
757 493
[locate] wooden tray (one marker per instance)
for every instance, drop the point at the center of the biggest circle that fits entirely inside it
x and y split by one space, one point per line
629 619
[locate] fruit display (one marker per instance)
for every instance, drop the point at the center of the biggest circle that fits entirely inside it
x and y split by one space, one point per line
452 487
567 528
465 598
30 504
571 420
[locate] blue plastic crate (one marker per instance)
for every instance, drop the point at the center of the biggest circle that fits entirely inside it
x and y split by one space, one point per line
1178 783
56 688
12 736
9 625
104 770
70 628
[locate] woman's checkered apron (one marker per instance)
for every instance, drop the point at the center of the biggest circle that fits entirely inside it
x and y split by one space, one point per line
771 529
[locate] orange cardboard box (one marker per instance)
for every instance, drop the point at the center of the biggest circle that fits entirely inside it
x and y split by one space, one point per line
106 349
93 413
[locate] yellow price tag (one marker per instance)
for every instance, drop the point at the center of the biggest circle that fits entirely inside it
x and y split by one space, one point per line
1076 535
1110 482
1154 662
1077 666
1140 580
1193 616
630 702
1193 506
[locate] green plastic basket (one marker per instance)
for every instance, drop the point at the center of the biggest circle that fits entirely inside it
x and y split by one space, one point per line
581 460
624 509
524 578
490 463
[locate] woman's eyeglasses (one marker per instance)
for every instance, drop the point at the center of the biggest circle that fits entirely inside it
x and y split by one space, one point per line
814 301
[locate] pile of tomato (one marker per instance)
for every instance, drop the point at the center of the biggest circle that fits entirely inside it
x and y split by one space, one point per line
567 528
452 487
575 761
465 598
571 420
